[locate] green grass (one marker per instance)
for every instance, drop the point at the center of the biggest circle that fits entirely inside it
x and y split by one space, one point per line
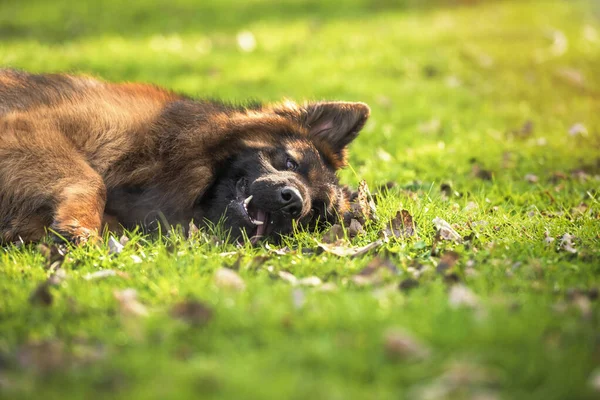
449 84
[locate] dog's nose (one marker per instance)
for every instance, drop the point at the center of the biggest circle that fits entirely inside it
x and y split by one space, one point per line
291 201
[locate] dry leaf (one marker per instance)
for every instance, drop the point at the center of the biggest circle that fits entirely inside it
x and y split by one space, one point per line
531 178
229 279
578 130
547 238
446 232
129 303
54 255
41 294
447 261
310 281
566 243
288 277
462 296
105 273
401 345
481 173
408 284
114 246
335 233
355 228
192 312
365 202
348 251
402 226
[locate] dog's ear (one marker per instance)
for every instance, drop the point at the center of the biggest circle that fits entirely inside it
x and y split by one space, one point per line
335 124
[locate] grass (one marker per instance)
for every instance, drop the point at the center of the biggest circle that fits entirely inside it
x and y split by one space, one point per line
453 86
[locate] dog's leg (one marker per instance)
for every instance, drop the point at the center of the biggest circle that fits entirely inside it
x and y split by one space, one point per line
44 177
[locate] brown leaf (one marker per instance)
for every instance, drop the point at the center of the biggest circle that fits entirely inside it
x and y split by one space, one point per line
349 251
335 233
447 261
54 254
365 202
401 226
355 228
408 284
401 345
481 173
229 279
193 312
41 295
445 231
129 303
531 178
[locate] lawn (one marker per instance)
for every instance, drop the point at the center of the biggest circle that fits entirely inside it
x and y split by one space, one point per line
485 114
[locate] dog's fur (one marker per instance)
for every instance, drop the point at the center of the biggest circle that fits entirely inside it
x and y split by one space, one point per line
75 149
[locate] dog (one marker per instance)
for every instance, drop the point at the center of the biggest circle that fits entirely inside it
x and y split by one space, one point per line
77 152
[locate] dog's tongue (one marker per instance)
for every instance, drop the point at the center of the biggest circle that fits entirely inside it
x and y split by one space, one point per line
261 216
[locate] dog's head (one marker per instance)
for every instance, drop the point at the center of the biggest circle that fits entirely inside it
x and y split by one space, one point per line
282 168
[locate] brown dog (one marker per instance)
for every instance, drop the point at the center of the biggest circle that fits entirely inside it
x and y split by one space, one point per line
73 149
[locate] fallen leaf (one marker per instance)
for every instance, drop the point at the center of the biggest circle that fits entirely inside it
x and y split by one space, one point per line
578 130
401 345
524 131
229 279
310 281
288 277
481 173
445 231
355 228
54 255
349 251
335 233
193 312
41 295
572 76
129 303
531 178
408 284
192 230
105 273
114 246
401 226
566 243
462 296
365 202
447 261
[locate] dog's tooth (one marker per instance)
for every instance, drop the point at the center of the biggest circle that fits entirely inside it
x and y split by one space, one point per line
256 222
247 200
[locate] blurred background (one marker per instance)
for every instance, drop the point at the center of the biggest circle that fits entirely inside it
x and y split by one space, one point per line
429 69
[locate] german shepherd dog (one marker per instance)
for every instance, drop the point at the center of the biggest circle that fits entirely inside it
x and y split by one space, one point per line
76 153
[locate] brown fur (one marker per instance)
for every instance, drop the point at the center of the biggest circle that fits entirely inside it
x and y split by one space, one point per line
67 143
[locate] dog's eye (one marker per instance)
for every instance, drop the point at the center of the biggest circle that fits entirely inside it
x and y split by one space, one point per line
291 165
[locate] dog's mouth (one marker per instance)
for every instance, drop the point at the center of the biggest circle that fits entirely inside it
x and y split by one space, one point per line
255 216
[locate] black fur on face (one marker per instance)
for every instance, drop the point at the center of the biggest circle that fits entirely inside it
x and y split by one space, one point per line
261 191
